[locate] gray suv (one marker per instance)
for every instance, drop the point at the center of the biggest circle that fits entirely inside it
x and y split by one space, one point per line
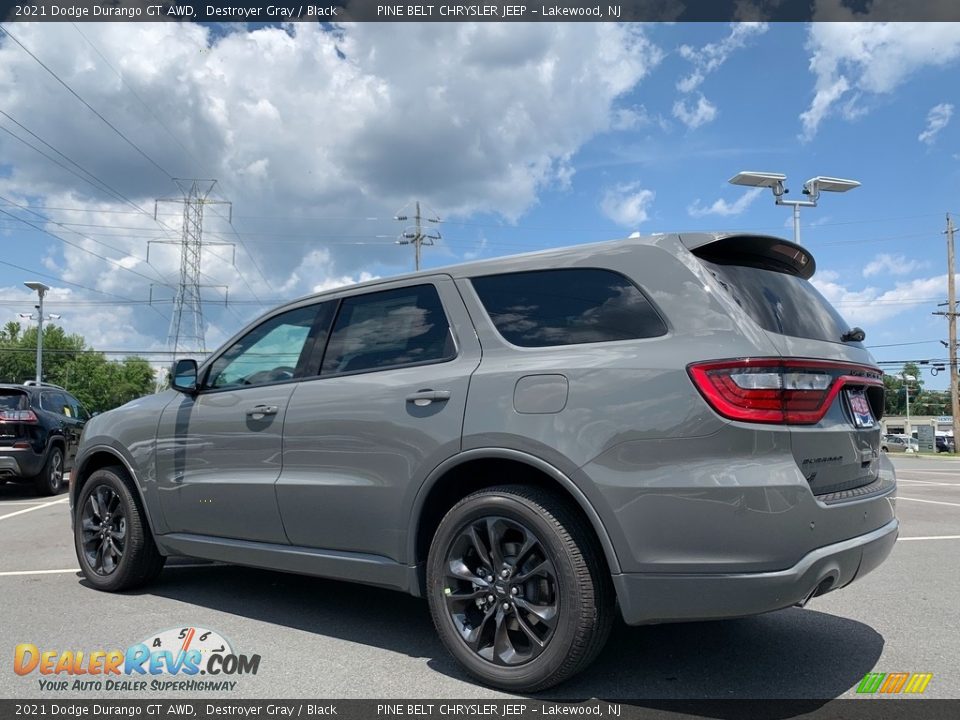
671 428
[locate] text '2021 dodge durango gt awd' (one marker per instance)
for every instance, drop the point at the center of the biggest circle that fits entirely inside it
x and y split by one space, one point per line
675 428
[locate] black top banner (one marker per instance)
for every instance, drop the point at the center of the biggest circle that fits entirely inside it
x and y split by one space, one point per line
337 11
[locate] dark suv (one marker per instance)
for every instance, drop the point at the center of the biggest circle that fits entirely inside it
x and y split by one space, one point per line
669 428
40 427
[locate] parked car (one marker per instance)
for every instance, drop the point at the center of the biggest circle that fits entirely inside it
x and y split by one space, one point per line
673 428
40 428
944 444
898 444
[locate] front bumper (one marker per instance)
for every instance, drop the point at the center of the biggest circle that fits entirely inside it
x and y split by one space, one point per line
668 597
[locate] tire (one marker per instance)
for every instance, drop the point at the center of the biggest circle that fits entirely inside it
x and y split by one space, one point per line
576 597
111 535
50 479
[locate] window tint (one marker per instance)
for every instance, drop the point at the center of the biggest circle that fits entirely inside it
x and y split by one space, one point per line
79 411
567 307
13 400
389 329
781 303
56 402
268 353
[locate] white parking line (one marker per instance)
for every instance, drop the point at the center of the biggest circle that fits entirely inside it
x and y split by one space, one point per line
931 472
31 509
932 502
927 482
22 502
931 537
67 571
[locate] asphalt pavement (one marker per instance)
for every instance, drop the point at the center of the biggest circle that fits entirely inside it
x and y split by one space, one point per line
323 639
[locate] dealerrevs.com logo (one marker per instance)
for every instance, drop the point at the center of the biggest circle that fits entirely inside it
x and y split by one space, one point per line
166 661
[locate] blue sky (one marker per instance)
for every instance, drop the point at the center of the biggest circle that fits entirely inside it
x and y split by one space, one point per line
519 137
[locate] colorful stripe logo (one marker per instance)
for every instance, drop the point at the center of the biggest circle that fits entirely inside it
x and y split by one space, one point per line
894 683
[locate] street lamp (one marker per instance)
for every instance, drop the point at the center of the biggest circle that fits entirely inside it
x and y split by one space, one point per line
811 188
41 291
906 388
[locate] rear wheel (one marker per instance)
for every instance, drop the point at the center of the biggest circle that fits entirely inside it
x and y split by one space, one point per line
111 536
50 479
518 589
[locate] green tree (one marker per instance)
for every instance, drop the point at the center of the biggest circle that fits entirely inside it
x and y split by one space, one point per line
98 383
18 350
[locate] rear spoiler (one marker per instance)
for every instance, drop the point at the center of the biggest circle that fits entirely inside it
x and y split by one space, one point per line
761 251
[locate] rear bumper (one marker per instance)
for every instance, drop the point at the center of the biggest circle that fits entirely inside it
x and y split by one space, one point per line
666 597
19 463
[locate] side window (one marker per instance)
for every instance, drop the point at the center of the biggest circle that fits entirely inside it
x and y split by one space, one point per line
268 353
56 402
78 411
389 329
567 307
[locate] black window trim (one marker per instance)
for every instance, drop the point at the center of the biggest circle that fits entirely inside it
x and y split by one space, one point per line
320 375
542 348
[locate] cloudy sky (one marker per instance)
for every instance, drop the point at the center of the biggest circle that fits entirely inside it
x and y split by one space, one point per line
518 137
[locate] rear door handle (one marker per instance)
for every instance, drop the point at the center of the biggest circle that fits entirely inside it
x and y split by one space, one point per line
261 411
425 397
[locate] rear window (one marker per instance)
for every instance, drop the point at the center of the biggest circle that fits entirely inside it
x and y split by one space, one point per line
781 303
13 400
567 307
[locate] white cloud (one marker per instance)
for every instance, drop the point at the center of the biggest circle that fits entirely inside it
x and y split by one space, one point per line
872 305
627 204
466 117
695 115
856 60
885 263
722 207
710 57
937 120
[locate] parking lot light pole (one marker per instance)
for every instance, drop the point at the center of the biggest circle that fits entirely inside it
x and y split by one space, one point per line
811 188
41 291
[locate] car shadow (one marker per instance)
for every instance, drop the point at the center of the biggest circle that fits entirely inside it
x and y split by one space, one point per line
791 654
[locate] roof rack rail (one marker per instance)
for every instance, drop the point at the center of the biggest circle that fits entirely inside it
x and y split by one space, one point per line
34 383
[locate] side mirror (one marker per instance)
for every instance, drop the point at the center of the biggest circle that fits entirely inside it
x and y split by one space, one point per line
183 376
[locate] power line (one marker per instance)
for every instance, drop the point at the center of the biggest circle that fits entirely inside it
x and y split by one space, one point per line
88 105
65 282
79 247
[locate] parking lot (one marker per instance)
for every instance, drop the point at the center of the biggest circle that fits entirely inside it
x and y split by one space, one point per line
323 639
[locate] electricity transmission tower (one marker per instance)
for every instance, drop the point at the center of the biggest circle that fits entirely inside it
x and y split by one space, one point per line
415 235
186 324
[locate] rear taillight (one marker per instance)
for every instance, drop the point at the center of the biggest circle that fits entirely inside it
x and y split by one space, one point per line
18 416
772 390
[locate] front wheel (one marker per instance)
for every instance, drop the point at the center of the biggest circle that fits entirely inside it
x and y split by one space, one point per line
518 588
111 536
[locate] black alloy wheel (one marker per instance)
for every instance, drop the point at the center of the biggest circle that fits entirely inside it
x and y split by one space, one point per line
518 587
501 590
50 479
104 528
111 535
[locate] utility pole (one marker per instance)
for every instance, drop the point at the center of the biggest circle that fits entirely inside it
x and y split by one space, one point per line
951 314
952 323
186 323
415 235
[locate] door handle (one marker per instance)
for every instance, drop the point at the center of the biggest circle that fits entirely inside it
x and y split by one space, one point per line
423 398
260 411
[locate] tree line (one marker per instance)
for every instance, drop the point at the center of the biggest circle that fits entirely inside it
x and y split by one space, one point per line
922 401
100 384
